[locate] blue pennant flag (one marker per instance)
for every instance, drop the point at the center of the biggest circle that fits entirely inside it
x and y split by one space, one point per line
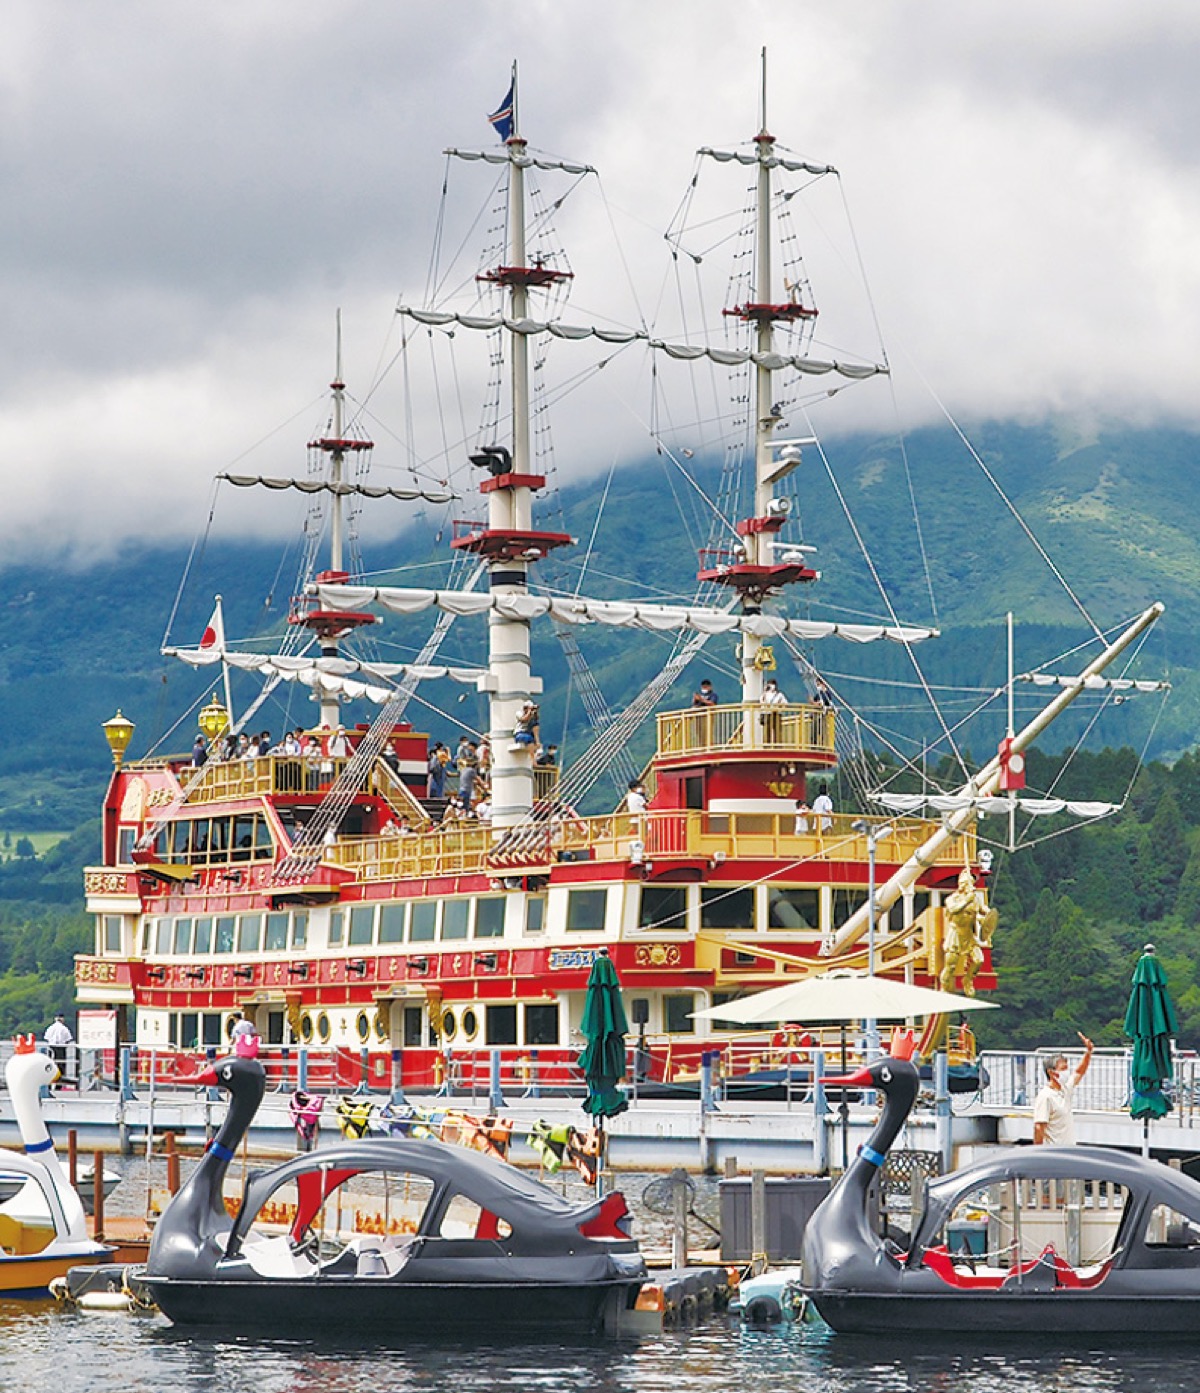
502 118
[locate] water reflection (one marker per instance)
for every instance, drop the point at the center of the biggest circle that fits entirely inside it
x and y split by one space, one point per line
43 1348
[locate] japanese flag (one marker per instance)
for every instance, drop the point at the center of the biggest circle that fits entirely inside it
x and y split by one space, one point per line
213 638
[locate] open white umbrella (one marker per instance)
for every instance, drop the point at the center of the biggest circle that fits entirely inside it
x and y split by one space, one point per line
842 996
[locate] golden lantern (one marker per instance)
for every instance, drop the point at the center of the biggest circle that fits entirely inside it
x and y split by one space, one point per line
214 720
118 732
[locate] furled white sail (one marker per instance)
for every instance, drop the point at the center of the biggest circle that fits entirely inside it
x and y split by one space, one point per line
577 610
1091 684
305 668
771 161
341 489
524 161
914 803
727 357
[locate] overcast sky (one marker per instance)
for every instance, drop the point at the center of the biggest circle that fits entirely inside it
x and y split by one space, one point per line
189 193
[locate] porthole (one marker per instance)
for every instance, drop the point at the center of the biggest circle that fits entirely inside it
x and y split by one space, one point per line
470 1023
381 1025
323 1028
306 1028
363 1026
449 1025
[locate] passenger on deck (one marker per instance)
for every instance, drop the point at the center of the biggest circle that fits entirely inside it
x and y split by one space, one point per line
199 753
771 695
547 756
802 812
635 799
705 696
823 805
338 747
822 696
439 757
468 771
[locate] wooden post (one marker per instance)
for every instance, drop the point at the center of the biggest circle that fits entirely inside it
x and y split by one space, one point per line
73 1157
730 1167
172 1163
98 1196
758 1221
679 1218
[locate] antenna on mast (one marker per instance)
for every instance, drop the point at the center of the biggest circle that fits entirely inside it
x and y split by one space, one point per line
762 125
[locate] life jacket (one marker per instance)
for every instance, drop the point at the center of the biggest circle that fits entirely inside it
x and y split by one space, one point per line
354 1117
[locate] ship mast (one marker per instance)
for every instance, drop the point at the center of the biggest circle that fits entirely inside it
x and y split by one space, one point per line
755 573
509 541
330 626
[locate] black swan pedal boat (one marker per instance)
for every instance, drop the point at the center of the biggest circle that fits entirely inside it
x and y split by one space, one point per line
1030 1240
403 1237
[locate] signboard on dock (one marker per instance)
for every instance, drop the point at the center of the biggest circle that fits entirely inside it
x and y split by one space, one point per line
97 1030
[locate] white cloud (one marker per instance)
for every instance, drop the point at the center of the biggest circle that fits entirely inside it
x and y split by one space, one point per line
187 196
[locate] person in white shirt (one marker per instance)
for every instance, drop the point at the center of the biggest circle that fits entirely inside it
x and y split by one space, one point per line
635 799
822 807
771 695
1053 1120
58 1036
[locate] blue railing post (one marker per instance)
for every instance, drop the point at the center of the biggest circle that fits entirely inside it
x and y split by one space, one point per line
820 1111
126 1074
495 1095
941 1101
398 1077
707 1104
285 1057
364 1072
210 1054
535 1082
302 1069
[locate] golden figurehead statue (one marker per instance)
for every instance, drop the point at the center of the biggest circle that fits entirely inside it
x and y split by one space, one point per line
969 926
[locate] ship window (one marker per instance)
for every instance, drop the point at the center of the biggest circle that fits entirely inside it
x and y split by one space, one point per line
203 943
726 907
306 1028
362 925
362 1027
323 1028
449 1024
423 922
541 1023
391 922
677 1014
335 928
381 1024
263 845
502 1025
275 1027
300 928
183 936
181 840
218 838
585 910
454 918
489 917
212 1029
845 902
189 1030
249 939
470 1023
243 837
225 925
148 931
277 928
535 914
112 933
789 908
663 907
413 1034
126 837
162 941
200 838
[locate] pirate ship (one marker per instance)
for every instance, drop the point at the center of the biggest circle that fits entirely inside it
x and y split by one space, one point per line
316 889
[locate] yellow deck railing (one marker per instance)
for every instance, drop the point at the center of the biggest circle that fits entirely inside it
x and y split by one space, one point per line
795 729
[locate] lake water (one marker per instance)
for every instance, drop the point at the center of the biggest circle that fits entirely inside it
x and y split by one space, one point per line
42 1348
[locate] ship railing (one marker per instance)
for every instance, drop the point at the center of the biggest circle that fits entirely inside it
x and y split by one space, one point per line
265 776
684 833
797 728
1015 1077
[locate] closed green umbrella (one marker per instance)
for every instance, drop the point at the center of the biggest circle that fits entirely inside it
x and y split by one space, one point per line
1150 1024
604 1028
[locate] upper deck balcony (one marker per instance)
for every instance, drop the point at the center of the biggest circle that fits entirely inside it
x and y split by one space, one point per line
801 731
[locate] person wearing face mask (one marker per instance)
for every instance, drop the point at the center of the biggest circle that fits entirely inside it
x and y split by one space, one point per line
1053 1122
